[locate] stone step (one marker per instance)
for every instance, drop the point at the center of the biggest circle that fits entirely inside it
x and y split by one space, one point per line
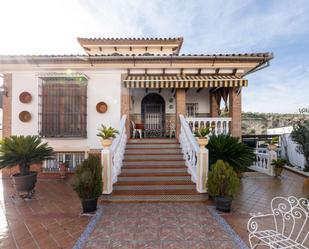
152 174
154 157
152 141
154 178
153 163
154 187
156 192
153 170
154 198
149 151
154 167
153 146
153 183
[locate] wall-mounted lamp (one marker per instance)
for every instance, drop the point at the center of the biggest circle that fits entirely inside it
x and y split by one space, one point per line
4 90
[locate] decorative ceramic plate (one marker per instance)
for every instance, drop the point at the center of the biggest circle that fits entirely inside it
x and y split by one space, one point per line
101 107
25 97
24 116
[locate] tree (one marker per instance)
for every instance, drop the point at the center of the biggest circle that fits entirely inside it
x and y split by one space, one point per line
300 135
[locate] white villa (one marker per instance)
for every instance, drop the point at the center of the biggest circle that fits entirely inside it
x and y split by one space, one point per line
65 98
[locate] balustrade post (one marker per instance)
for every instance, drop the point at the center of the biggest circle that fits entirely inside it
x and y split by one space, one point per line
107 171
272 155
202 170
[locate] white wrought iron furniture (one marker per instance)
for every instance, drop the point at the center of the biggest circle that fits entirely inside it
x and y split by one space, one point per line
139 131
286 227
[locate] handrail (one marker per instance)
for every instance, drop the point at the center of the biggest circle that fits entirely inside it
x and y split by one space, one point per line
195 157
121 130
112 158
188 133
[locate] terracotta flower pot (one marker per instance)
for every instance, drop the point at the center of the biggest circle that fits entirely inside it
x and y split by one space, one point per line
272 146
202 142
63 169
25 183
106 143
278 171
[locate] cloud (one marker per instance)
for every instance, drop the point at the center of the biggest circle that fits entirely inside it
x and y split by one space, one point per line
277 89
208 26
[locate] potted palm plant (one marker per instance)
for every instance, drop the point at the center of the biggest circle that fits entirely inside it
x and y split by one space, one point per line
202 136
222 184
229 149
23 151
278 166
88 182
107 134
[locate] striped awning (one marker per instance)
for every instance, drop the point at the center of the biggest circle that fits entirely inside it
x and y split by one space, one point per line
184 81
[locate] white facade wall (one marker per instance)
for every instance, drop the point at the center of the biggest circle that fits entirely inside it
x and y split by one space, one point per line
102 86
202 98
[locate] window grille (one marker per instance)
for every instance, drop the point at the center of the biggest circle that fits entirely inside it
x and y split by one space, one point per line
73 159
63 107
191 109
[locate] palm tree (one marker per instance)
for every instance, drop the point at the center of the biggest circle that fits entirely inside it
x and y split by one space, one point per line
23 151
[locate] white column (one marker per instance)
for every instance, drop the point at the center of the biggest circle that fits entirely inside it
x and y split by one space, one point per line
202 170
272 156
107 171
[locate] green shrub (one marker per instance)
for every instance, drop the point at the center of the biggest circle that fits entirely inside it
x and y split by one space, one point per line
229 149
222 180
88 178
23 151
107 132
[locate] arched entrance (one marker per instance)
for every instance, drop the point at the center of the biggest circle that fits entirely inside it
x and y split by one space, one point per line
153 115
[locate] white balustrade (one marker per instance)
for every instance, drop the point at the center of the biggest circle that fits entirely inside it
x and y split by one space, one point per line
263 162
112 158
196 158
216 125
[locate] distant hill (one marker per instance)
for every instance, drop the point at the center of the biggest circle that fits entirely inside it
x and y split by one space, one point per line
258 123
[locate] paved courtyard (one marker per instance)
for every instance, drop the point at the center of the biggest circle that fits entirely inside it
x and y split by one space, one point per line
52 220
159 225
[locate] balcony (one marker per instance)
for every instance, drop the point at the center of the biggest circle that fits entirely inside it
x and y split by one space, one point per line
217 125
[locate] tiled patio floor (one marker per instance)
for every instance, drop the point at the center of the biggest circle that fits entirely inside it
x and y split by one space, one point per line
50 220
159 225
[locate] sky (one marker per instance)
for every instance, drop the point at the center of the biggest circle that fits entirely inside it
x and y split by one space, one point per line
208 26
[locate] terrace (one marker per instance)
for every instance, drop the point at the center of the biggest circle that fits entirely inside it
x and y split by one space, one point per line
52 218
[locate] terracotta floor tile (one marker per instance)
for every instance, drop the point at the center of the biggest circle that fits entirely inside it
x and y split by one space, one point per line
146 233
173 245
148 244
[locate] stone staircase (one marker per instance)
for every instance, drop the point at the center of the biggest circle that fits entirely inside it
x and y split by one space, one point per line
154 170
